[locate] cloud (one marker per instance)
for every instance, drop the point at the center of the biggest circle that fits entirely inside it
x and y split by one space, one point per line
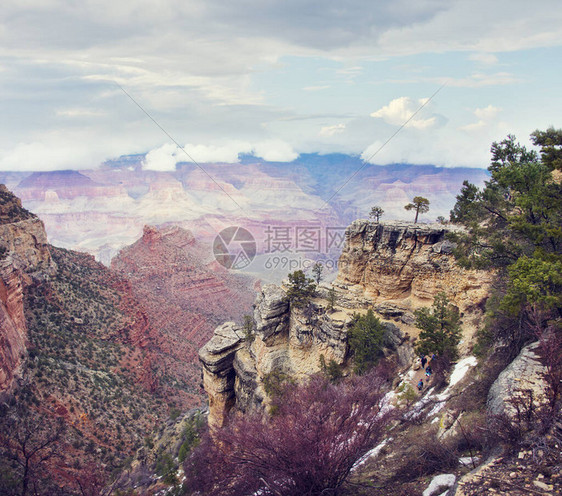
484 58
316 88
332 130
399 110
487 113
165 157
485 116
53 155
480 80
275 151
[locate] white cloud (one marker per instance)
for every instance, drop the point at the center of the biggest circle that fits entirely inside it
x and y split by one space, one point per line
480 80
275 151
332 130
399 110
52 155
79 112
165 157
485 116
487 113
484 58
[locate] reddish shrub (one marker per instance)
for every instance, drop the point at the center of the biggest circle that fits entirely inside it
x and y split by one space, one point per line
308 447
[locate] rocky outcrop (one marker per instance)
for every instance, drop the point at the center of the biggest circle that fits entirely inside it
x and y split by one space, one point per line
399 261
523 378
24 253
286 342
401 266
13 335
22 235
217 357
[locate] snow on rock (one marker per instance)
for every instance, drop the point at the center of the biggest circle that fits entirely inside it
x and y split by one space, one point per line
439 483
460 370
371 453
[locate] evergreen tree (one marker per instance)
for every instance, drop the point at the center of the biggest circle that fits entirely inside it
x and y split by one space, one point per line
365 341
317 269
300 289
420 205
376 213
440 329
514 224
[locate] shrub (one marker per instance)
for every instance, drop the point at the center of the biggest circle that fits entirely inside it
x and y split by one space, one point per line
309 447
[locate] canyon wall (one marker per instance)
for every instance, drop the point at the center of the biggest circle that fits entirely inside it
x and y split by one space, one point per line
401 266
23 252
393 268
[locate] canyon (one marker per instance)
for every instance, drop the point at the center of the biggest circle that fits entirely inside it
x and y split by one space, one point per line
102 210
392 267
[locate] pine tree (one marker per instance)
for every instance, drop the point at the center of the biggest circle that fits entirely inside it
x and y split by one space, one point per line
440 328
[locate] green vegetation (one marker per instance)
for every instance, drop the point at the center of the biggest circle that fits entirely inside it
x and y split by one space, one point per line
275 382
332 299
376 213
300 289
365 341
249 328
333 370
514 226
317 270
420 205
440 329
191 435
10 208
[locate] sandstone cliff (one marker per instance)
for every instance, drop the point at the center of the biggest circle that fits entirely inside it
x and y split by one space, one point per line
23 252
394 268
286 342
401 266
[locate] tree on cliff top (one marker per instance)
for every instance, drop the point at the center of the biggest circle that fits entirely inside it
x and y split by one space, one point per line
300 289
420 205
376 213
320 430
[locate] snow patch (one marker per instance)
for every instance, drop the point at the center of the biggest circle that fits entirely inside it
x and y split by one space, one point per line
371 453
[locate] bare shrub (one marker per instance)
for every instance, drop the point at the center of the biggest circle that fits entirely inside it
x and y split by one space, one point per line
308 447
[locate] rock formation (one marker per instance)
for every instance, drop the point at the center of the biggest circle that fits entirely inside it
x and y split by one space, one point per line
402 266
287 342
23 252
394 268
185 295
523 378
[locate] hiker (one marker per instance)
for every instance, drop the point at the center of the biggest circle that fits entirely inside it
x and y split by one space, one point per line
428 372
420 385
423 361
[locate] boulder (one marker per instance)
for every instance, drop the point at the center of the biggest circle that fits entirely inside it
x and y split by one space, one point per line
525 373
440 485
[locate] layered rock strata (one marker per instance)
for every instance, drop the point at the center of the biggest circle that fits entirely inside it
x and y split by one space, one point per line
393 268
401 266
23 253
287 342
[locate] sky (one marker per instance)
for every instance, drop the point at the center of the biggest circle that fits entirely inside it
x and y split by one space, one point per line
83 82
